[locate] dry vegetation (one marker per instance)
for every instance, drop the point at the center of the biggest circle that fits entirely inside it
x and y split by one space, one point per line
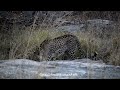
107 48
20 43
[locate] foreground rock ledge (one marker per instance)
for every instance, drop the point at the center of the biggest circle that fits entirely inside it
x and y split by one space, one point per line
75 69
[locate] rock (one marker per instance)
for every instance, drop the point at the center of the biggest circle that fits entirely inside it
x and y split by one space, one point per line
63 47
96 24
18 19
75 69
99 21
17 16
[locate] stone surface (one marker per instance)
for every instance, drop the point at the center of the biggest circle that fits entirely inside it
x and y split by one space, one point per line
75 69
96 24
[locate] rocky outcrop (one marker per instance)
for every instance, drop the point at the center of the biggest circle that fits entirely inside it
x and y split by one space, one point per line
96 24
21 17
26 18
76 69
17 19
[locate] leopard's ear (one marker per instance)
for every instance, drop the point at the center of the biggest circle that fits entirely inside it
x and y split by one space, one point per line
46 41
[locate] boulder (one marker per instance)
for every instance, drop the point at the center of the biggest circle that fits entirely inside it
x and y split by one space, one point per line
96 24
60 69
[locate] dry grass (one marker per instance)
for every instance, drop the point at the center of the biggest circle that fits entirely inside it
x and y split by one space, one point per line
107 45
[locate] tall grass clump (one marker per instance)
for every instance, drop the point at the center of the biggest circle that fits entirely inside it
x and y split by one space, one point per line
24 43
89 44
106 44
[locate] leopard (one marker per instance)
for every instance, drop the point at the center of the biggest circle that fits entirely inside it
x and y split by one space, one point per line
65 47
